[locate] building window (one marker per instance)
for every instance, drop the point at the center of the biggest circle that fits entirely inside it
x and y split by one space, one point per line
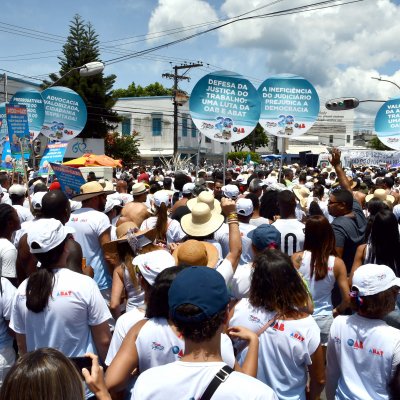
194 130
137 124
330 139
348 138
208 140
156 120
126 126
184 125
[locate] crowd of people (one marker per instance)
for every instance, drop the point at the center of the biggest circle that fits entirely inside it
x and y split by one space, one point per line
238 284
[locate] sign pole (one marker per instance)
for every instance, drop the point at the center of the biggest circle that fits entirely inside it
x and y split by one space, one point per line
24 169
224 161
281 162
198 157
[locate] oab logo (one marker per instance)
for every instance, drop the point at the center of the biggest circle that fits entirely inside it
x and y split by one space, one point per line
358 344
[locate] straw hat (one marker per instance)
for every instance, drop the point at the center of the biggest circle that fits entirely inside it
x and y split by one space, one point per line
138 189
302 194
194 252
351 182
207 198
201 221
381 195
90 190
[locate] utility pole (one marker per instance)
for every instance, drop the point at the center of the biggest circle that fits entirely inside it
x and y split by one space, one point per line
177 78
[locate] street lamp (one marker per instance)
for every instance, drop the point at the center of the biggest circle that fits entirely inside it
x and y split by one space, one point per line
386 80
89 69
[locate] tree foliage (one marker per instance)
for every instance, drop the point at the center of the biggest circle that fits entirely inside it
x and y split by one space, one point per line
241 156
125 148
82 47
154 89
376 144
255 140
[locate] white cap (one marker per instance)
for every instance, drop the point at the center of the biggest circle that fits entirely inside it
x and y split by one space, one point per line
48 233
370 279
111 203
230 191
151 264
244 207
19 190
37 200
162 196
188 188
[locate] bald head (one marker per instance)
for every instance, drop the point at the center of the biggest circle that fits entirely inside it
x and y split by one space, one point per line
122 186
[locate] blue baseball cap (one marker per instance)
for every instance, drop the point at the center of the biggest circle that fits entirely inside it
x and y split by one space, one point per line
265 236
202 287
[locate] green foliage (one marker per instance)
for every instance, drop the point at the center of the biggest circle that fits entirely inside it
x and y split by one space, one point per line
154 89
82 47
256 139
240 156
376 144
125 148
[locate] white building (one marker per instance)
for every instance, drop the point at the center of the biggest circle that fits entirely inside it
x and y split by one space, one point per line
9 85
152 118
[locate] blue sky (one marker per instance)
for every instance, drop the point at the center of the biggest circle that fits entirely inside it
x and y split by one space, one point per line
337 49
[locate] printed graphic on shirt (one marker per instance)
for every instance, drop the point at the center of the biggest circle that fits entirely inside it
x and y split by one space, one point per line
65 293
279 326
376 352
337 340
253 318
176 350
157 346
357 345
298 336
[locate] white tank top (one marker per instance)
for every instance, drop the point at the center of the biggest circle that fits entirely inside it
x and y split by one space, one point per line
157 344
135 295
320 290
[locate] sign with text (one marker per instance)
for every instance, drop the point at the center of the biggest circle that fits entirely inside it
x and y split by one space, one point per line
224 106
65 114
3 125
289 105
70 179
54 153
33 101
18 130
387 123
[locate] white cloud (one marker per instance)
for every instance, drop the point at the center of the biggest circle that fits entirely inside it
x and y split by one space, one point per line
171 14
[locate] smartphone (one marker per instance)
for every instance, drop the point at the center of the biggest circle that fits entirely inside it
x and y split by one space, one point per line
81 362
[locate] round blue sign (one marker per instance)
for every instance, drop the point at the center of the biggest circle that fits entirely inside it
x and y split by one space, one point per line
289 105
387 123
224 106
34 103
65 114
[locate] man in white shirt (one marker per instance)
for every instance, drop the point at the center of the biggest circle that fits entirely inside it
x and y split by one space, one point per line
92 230
292 230
18 196
198 300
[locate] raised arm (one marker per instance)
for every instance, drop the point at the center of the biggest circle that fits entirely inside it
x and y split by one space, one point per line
335 161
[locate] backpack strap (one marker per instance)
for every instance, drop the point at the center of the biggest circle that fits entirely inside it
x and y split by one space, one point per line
221 376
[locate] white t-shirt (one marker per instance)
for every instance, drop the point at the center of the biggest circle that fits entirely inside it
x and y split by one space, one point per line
292 235
25 227
222 237
157 344
285 349
259 221
240 285
23 213
124 323
174 231
188 380
126 198
8 258
362 356
74 306
89 224
6 300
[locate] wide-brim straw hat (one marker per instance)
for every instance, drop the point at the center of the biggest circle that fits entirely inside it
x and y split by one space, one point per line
138 189
352 183
381 195
196 253
302 193
201 221
90 190
207 198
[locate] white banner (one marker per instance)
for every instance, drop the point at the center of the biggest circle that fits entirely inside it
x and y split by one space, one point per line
78 147
369 157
